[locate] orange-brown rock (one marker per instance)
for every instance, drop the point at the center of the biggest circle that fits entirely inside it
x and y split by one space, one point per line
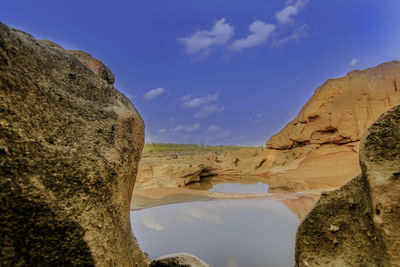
341 109
358 224
320 146
164 170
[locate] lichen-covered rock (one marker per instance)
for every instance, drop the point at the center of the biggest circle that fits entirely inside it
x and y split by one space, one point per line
69 149
178 260
358 224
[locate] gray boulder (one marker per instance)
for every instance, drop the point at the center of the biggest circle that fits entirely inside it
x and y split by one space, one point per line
70 144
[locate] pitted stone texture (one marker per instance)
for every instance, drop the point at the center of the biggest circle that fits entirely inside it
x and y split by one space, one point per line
358 224
70 144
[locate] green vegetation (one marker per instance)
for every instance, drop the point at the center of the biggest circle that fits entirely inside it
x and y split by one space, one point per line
186 148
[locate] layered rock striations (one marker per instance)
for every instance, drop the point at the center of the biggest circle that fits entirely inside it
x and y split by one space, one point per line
341 109
321 143
178 170
358 224
70 144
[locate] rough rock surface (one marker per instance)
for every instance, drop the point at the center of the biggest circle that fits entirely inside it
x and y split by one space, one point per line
358 224
86 59
69 149
178 260
326 132
172 170
341 109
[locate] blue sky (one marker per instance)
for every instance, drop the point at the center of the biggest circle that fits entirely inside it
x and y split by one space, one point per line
218 71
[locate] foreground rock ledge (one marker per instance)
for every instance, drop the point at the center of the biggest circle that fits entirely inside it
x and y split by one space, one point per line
178 260
358 224
70 144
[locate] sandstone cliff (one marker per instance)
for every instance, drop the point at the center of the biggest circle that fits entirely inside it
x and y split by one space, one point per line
70 144
341 109
307 152
320 145
358 224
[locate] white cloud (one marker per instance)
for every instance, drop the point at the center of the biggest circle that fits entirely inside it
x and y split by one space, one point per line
187 102
257 119
284 15
163 130
353 62
152 94
152 223
295 36
185 98
259 33
208 110
202 42
213 129
187 128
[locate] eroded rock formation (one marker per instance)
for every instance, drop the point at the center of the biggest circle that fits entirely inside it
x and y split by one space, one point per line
341 109
307 152
163 170
358 224
326 132
70 144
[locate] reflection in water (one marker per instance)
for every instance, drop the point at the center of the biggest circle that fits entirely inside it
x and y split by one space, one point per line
226 185
246 232
239 188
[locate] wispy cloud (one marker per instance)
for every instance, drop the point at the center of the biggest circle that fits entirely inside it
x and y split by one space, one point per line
213 129
154 93
202 42
259 33
353 61
187 128
185 98
187 102
257 118
285 15
295 36
163 130
208 110
174 119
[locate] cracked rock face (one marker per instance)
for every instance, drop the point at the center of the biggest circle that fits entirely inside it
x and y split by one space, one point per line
358 224
70 144
341 109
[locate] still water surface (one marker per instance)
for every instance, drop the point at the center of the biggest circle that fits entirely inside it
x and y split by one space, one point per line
231 233
224 185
